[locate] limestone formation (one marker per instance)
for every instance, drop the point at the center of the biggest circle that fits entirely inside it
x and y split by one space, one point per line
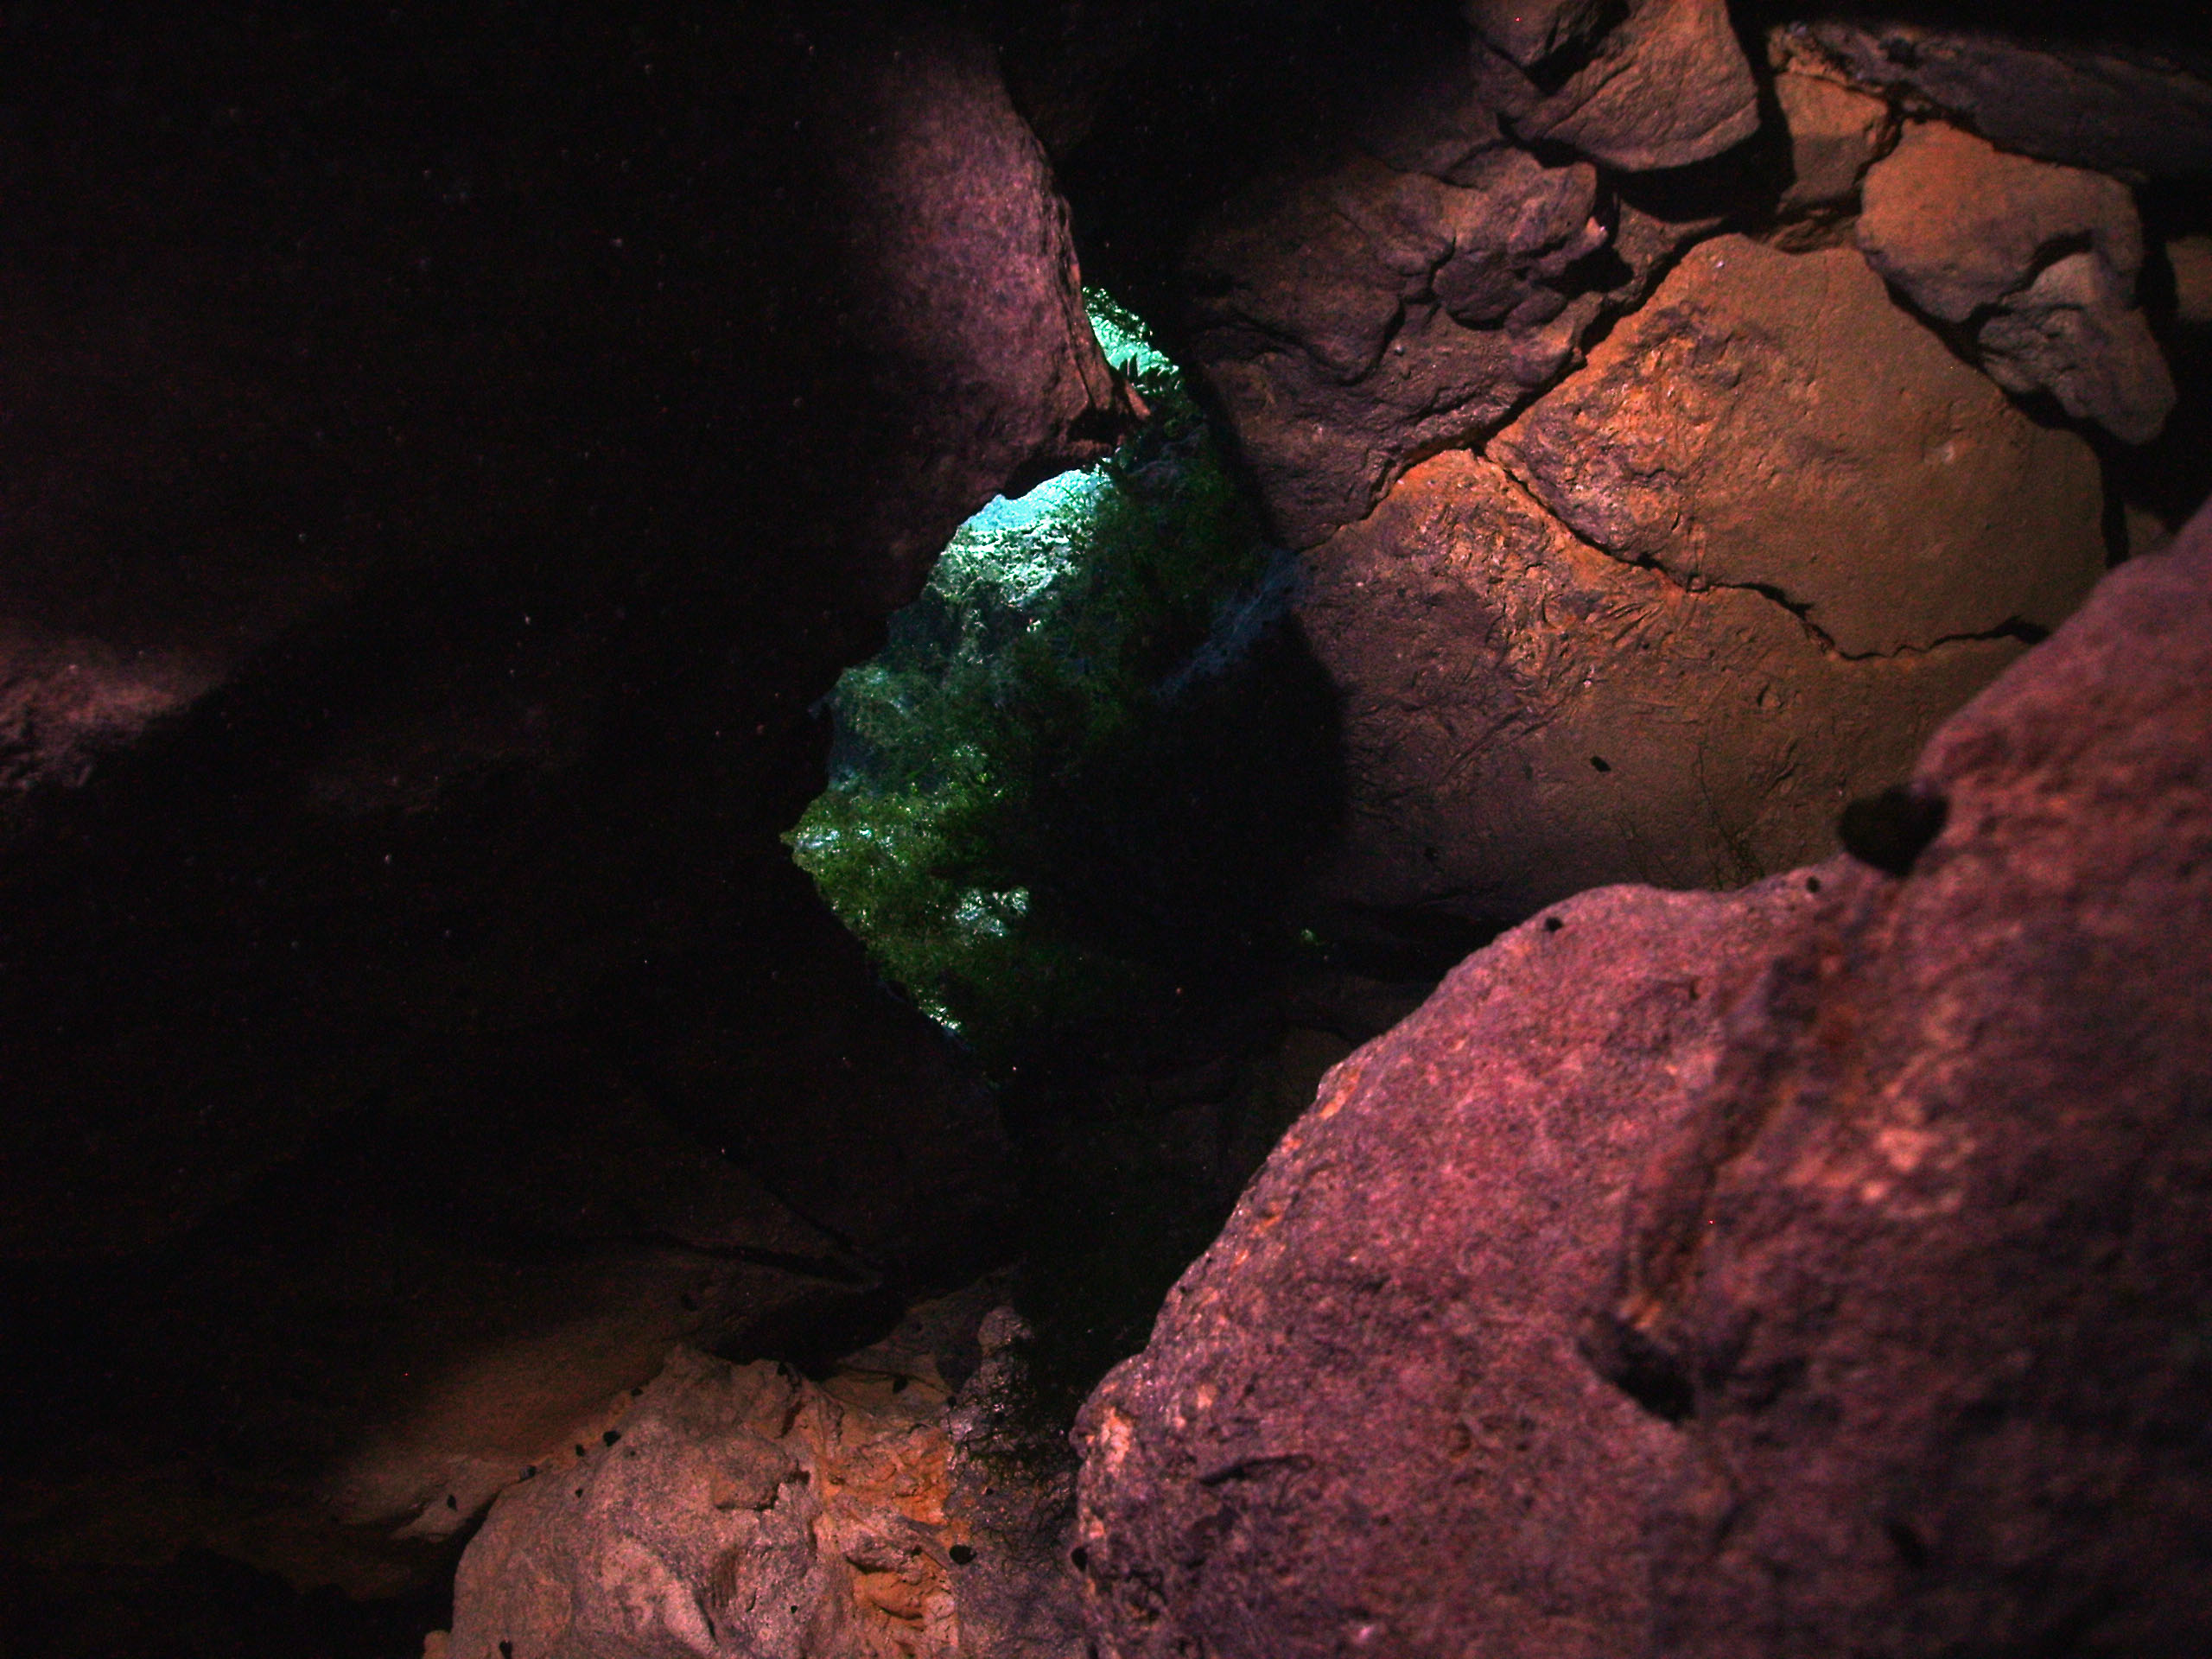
1820 1269
2039 261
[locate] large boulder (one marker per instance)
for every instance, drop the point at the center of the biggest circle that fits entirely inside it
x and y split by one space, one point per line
1771 421
1525 716
1895 1186
1728 575
1363 1424
2040 261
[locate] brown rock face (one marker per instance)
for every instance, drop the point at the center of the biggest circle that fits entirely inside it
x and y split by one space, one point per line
1914 1282
1970 233
1349 321
1525 716
1667 86
1771 420
1362 1424
2119 112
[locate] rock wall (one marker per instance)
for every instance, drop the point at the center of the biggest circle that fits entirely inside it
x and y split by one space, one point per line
447 457
1816 1269
1708 310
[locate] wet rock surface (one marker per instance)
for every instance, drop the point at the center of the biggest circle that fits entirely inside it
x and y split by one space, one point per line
1900 1333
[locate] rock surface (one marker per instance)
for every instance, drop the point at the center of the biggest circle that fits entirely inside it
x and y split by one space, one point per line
1772 421
1525 717
738 1510
1665 87
1835 133
1906 1318
1363 1423
2042 261
1934 1270
2117 111
1352 320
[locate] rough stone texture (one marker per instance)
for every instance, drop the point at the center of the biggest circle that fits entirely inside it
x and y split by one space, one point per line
1529 35
1900 1194
1665 87
1361 1423
1525 717
2041 260
1771 420
2117 111
737 1510
1350 320
903 1506
1935 1267
446 459
1835 133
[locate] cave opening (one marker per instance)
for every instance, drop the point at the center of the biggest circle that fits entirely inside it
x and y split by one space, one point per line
1068 799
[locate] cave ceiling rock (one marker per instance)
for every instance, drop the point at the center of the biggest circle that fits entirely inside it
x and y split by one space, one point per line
1665 87
1894 1194
1350 319
1836 132
1775 421
1525 716
2038 261
2126 111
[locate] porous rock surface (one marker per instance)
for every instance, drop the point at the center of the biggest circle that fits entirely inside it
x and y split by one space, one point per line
2040 261
737 1510
1906 1318
1363 1424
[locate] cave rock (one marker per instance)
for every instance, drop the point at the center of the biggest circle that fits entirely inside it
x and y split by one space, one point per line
1896 1194
1772 421
1835 133
1665 87
1349 320
1361 1423
2119 111
2039 261
1525 716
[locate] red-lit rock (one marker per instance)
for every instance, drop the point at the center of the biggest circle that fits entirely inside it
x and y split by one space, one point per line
1900 1191
1773 421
